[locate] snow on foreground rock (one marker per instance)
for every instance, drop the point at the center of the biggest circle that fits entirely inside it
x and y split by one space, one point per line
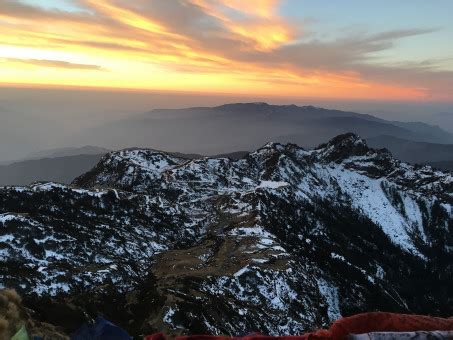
280 242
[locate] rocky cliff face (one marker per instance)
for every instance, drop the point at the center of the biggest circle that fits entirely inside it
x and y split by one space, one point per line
281 242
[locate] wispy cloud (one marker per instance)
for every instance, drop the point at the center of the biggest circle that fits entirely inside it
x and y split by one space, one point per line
55 63
232 39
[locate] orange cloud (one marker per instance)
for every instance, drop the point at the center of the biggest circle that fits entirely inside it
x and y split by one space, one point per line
262 26
262 8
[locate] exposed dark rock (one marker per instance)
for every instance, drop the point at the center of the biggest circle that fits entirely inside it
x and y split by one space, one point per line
282 241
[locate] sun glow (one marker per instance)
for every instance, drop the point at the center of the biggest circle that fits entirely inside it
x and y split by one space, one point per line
226 46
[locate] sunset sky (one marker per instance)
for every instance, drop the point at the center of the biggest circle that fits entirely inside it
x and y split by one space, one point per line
348 49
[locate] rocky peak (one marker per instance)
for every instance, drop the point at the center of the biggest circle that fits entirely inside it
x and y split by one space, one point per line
125 167
343 147
270 147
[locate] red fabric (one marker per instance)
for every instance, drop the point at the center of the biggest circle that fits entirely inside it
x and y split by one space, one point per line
156 336
387 322
357 324
252 337
203 337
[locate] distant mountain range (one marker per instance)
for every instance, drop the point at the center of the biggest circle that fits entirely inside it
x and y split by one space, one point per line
67 152
444 165
58 169
59 152
59 165
412 151
246 126
242 126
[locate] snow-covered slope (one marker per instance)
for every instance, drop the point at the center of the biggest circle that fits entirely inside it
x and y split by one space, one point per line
282 241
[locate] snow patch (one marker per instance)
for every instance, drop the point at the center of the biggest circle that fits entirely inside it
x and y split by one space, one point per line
330 293
272 184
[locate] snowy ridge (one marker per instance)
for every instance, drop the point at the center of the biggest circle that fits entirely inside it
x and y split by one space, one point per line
282 241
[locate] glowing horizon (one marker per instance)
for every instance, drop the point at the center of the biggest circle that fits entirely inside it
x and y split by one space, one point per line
214 46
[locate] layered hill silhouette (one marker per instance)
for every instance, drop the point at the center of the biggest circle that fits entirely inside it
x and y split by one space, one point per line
246 126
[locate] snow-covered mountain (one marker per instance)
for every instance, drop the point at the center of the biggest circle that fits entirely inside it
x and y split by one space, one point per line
282 241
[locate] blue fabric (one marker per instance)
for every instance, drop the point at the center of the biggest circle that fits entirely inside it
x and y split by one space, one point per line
101 330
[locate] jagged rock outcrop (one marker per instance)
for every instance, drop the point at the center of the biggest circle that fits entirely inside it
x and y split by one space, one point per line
282 241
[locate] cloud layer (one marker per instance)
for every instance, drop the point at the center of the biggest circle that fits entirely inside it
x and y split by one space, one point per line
54 63
212 45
